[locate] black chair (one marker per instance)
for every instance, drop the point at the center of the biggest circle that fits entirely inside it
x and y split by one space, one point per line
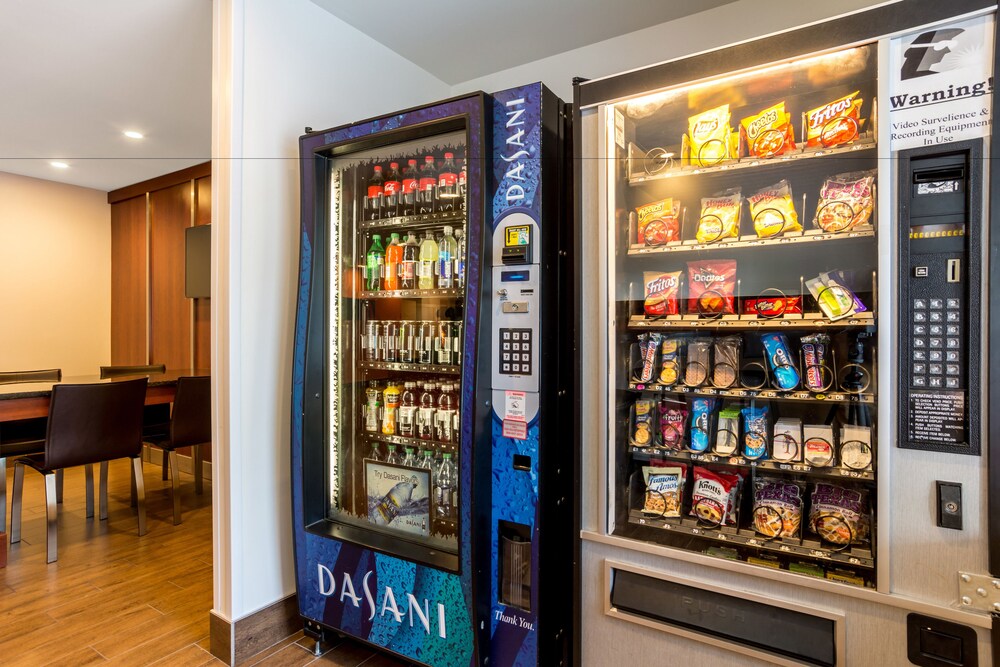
88 423
47 375
119 371
190 426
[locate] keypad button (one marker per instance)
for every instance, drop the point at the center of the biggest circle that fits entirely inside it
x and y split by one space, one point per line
951 355
935 369
937 330
525 335
953 329
517 335
936 303
954 303
935 382
935 355
506 335
920 381
951 383
506 368
953 343
931 342
954 316
920 303
919 369
936 316
919 342
506 356
920 355
919 329
953 369
919 316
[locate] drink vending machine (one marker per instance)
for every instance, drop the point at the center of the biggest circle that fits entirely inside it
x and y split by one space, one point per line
431 486
784 341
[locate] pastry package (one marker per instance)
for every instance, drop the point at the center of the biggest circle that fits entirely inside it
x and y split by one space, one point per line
661 293
769 132
771 307
727 431
838 515
715 496
845 201
711 286
833 296
756 431
709 136
777 506
773 211
642 422
779 358
856 447
673 423
671 352
727 361
835 123
817 445
664 490
720 217
658 222
702 412
786 443
815 349
699 360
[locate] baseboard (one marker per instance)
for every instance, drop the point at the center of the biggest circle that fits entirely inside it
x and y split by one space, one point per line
234 643
154 456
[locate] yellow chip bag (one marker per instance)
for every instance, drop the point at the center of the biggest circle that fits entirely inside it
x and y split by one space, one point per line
709 133
720 217
773 211
769 133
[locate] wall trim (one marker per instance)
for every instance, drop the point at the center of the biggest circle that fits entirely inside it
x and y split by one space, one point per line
160 182
235 642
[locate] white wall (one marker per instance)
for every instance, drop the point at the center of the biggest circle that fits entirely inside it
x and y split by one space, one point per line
736 22
55 276
282 66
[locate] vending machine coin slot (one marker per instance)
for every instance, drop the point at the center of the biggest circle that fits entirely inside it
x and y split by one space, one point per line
940 218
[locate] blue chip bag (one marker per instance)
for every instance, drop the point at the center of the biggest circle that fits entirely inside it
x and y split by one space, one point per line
756 432
702 411
779 357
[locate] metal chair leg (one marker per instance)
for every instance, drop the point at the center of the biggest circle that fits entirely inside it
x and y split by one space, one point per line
59 485
3 492
89 472
164 466
104 490
51 512
140 492
175 486
132 497
15 503
198 474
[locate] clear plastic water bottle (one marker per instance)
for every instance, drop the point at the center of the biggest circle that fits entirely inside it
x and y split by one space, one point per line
389 507
426 460
459 259
445 482
392 456
410 458
447 250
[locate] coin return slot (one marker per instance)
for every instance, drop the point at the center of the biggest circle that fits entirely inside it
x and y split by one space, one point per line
522 462
515 565
954 270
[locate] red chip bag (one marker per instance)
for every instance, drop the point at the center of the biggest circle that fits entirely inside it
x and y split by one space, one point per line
661 293
711 285
715 496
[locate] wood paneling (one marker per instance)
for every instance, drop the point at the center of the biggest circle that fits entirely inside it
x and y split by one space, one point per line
203 307
160 182
128 281
170 212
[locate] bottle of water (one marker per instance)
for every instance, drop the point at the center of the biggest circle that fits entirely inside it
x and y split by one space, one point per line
444 485
392 456
388 508
459 260
426 460
410 458
375 454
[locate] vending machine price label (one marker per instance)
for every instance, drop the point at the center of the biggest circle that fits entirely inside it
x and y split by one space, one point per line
937 416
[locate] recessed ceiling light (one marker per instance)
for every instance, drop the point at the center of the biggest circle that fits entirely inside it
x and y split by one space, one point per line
59 165
132 134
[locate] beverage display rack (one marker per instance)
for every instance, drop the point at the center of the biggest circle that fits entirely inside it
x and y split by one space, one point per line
420 220
426 369
832 472
450 293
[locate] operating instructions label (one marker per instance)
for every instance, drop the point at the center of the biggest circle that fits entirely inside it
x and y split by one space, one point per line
937 416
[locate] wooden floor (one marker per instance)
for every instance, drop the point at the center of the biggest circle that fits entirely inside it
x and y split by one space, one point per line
114 598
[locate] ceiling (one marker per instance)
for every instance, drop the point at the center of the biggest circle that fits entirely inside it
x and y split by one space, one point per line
442 37
74 75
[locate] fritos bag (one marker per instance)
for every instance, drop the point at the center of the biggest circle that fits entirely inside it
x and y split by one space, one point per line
835 123
720 217
661 293
709 136
773 211
845 201
658 222
711 285
769 133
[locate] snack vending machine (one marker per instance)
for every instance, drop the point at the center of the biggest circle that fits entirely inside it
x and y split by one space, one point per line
429 482
783 345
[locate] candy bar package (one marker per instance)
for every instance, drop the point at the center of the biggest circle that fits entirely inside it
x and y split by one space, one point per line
756 431
658 222
661 293
708 133
834 298
727 431
642 422
715 496
649 344
856 447
781 361
702 412
786 443
817 445
699 361
673 423
777 506
835 123
769 132
770 307
664 490
671 353
720 217
773 211
845 201
711 286
838 515
815 348
727 361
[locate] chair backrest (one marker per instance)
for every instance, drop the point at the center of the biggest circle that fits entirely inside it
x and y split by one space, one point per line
47 375
118 371
89 423
191 421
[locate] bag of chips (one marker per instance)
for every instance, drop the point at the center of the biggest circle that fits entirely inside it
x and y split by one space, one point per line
658 223
642 422
838 514
835 123
670 360
769 133
777 507
661 293
773 211
711 286
756 431
673 423
702 412
770 307
664 490
709 136
845 201
720 217
715 496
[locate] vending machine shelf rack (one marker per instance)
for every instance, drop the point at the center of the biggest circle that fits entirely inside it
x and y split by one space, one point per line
410 368
750 322
752 241
420 220
436 445
413 294
768 394
841 473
